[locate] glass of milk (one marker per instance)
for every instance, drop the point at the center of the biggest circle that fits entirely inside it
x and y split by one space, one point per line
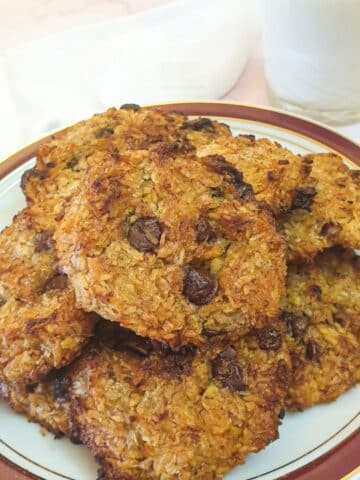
312 57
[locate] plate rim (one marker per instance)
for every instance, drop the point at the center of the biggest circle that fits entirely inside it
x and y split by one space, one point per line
341 459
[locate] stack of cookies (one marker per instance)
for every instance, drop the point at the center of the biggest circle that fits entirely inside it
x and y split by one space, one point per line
171 289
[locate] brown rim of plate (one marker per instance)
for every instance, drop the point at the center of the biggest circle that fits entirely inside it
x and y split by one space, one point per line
341 460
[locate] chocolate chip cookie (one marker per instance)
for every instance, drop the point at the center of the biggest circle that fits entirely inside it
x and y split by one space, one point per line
321 313
326 211
45 403
40 326
172 246
147 412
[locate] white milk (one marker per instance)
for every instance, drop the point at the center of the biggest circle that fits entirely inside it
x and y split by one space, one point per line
312 57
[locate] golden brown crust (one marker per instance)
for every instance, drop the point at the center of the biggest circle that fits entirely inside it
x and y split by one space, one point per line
186 415
60 162
26 256
322 311
172 246
328 290
40 327
332 213
323 376
35 338
272 170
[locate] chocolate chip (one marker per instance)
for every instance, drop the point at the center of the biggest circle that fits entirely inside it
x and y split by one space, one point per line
199 286
304 198
72 163
104 132
199 124
50 165
297 323
225 368
56 281
59 216
165 150
283 162
231 174
248 136
130 106
269 338
315 290
312 351
220 165
43 241
75 437
282 413
204 231
2 301
31 173
330 229
60 386
144 234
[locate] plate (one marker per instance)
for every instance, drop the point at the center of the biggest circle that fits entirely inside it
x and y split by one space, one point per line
321 443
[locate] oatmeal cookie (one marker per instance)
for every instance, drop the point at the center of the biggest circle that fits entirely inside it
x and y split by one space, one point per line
45 403
272 170
328 290
40 326
27 255
326 363
172 246
326 211
148 413
321 312
61 161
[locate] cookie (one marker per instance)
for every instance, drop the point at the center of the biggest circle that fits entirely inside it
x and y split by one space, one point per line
329 289
61 161
148 413
272 170
326 363
172 246
27 255
326 211
45 403
321 312
40 326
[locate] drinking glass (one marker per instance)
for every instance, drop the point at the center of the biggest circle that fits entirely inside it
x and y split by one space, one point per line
312 57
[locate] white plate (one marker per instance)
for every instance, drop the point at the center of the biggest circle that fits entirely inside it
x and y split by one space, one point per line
303 436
